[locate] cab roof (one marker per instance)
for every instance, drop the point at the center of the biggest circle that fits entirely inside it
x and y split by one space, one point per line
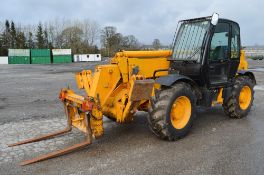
209 18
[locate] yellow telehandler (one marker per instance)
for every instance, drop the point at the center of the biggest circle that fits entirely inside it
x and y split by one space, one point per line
206 66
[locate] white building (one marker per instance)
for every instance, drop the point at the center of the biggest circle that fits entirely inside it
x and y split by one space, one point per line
3 60
87 57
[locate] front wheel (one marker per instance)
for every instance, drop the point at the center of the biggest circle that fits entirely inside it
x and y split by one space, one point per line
239 102
173 112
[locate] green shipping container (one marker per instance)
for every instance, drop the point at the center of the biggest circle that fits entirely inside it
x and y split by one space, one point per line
18 52
18 56
40 52
62 58
18 60
40 56
40 60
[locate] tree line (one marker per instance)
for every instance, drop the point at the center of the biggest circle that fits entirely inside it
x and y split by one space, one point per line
81 36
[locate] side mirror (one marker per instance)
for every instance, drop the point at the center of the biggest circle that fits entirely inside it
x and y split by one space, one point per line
214 19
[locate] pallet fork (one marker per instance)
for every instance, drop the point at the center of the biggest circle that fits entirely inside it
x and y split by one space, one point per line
82 119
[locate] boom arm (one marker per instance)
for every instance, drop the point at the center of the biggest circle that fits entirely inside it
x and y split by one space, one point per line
118 89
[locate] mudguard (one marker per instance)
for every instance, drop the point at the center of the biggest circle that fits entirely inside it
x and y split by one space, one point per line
170 79
247 73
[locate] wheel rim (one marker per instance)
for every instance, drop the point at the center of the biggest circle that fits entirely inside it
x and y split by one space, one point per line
180 112
245 97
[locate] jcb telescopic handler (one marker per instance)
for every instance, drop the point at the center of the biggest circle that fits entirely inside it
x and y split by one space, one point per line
206 66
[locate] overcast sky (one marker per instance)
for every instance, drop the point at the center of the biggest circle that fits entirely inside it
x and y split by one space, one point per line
146 19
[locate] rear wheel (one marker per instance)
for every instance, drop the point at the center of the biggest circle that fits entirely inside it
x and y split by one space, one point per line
173 111
239 102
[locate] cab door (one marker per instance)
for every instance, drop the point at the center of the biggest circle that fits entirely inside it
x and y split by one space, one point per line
235 50
219 56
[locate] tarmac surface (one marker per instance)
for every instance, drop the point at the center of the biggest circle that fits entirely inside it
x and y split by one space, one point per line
29 106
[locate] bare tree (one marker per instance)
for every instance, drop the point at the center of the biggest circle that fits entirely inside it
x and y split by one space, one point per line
91 31
130 42
113 41
55 29
72 38
107 35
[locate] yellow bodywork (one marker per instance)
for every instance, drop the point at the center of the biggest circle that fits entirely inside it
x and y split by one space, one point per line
116 90
243 65
119 89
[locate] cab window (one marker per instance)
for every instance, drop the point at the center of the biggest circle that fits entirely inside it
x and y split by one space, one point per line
219 44
235 42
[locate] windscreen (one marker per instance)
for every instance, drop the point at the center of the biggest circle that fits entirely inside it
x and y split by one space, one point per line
189 40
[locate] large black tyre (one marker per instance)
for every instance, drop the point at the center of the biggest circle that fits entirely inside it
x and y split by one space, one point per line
160 121
233 106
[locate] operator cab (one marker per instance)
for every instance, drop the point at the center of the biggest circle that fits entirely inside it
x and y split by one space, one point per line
207 50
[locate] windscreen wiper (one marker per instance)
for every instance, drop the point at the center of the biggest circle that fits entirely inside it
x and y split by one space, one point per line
194 53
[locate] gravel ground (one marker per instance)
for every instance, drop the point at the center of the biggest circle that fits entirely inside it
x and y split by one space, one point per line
29 106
